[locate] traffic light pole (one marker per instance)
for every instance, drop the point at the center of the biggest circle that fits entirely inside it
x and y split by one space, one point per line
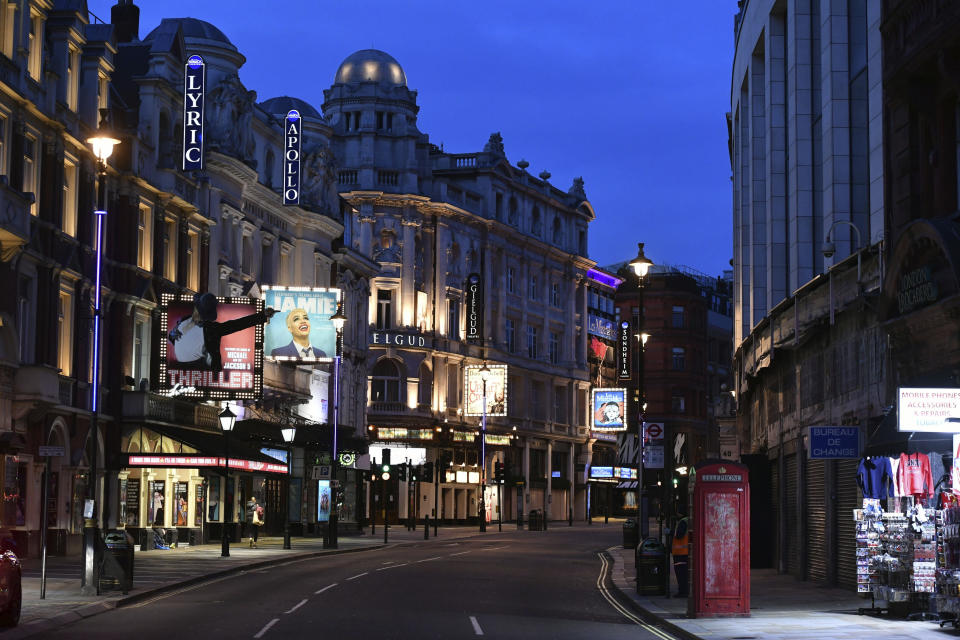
500 505
383 499
436 495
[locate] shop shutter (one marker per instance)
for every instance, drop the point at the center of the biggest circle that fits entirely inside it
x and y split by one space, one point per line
848 499
774 511
816 522
791 521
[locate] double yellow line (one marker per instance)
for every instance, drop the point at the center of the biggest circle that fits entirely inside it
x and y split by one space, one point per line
602 586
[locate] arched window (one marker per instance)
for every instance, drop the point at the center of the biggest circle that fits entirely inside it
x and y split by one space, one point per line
385 382
425 392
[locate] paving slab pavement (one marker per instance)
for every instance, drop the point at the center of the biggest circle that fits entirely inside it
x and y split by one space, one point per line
781 608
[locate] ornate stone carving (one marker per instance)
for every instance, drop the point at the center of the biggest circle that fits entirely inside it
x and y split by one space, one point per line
495 144
576 189
230 114
319 175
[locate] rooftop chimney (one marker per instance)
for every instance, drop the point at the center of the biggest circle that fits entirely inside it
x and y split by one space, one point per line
125 17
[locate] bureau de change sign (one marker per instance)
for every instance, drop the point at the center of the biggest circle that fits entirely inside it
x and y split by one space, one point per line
828 443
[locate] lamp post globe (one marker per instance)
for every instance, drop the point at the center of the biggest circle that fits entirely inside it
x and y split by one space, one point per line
289 434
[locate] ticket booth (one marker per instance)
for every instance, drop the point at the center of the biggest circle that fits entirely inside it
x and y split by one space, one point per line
719 540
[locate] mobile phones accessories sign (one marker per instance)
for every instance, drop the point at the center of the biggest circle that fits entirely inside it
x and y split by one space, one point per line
292 127
934 410
194 81
210 347
496 390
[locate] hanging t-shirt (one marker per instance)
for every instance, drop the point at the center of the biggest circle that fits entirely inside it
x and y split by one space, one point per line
875 477
915 477
895 466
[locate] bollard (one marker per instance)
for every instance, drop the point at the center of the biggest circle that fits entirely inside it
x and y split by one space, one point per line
426 527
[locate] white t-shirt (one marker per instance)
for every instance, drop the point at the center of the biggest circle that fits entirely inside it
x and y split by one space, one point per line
189 346
895 464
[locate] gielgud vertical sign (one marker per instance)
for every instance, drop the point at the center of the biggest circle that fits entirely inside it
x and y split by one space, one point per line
194 81
292 127
474 308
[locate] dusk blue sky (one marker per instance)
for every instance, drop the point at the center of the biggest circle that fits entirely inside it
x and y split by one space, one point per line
630 95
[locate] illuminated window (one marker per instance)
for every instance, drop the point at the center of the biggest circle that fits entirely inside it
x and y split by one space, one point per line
145 237
31 170
4 130
65 333
141 348
384 309
35 46
8 17
193 259
73 76
103 93
170 249
69 196
25 320
286 265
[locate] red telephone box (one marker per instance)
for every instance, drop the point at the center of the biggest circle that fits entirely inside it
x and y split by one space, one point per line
719 540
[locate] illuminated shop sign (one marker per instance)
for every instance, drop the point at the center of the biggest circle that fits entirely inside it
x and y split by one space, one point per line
601 472
464 436
292 127
474 308
397 339
609 409
604 278
394 433
623 351
936 410
277 454
204 461
194 80
497 440
601 327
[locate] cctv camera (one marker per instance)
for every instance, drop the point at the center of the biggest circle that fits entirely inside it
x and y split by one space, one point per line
829 249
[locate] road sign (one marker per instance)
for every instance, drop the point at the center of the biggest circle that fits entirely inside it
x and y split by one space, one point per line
321 472
652 431
51 452
653 457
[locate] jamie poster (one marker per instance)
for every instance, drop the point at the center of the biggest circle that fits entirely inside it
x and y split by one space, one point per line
609 409
191 326
496 390
301 329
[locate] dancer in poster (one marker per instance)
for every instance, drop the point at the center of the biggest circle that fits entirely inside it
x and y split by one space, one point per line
195 340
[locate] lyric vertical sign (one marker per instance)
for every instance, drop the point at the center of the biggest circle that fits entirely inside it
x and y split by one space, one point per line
194 80
292 128
474 308
623 351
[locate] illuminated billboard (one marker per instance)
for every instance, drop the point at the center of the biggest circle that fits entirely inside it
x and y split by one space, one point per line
301 329
211 347
496 390
609 409
934 410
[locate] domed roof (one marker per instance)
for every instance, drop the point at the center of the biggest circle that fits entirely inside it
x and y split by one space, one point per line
369 65
192 28
283 104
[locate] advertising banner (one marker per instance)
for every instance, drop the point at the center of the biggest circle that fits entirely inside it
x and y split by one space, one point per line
181 506
155 504
194 87
496 390
291 158
213 502
474 308
829 443
191 324
131 502
324 499
609 409
934 410
602 327
301 329
623 351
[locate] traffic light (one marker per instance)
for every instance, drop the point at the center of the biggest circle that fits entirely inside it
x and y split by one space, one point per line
416 472
427 472
402 472
506 470
498 472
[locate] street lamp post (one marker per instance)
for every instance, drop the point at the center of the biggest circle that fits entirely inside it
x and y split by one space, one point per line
227 420
829 248
102 144
338 319
640 265
288 434
484 376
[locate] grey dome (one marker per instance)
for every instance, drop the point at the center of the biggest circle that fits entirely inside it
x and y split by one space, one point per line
371 65
283 104
192 28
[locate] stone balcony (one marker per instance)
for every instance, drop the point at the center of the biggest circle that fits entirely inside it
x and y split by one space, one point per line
14 220
144 405
37 383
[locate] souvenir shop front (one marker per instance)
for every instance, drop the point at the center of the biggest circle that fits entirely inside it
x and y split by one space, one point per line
907 528
171 490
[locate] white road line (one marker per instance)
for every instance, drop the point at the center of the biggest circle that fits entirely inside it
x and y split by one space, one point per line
267 628
359 575
393 566
300 604
495 548
429 559
329 586
476 626
601 585
460 554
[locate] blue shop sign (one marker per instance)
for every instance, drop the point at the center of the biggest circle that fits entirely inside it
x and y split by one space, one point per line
828 443
601 327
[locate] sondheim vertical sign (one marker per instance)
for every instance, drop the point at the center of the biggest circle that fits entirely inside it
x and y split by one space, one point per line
194 78
474 308
623 351
293 127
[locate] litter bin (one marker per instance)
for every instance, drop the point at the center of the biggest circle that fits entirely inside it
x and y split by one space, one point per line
536 520
117 565
651 571
630 537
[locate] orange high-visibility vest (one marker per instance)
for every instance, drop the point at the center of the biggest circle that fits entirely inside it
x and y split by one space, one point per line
680 545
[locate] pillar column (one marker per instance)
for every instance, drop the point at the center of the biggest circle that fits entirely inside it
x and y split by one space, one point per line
526 474
571 467
367 220
408 294
547 499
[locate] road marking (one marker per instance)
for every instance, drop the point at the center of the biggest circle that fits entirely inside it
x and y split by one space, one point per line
495 548
460 554
394 566
267 628
601 585
429 559
476 626
301 603
359 575
184 590
329 586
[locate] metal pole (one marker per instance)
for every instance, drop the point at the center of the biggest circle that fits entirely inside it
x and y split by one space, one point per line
286 517
499 507
43 530
640 413
383 498
90 583
436 494
225 535
483 461
334 512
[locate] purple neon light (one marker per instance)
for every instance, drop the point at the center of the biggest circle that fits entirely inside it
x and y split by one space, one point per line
94 393
604 278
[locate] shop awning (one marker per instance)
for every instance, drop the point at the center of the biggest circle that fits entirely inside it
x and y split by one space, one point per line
211 451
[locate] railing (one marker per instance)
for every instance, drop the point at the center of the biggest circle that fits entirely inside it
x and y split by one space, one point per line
66 391
14 220
347 177
465 162
388 178
152 406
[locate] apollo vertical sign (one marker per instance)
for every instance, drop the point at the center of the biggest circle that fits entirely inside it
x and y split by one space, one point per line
474 308
194 80
292 129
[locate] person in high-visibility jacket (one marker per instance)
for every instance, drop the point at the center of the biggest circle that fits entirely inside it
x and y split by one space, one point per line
680 549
